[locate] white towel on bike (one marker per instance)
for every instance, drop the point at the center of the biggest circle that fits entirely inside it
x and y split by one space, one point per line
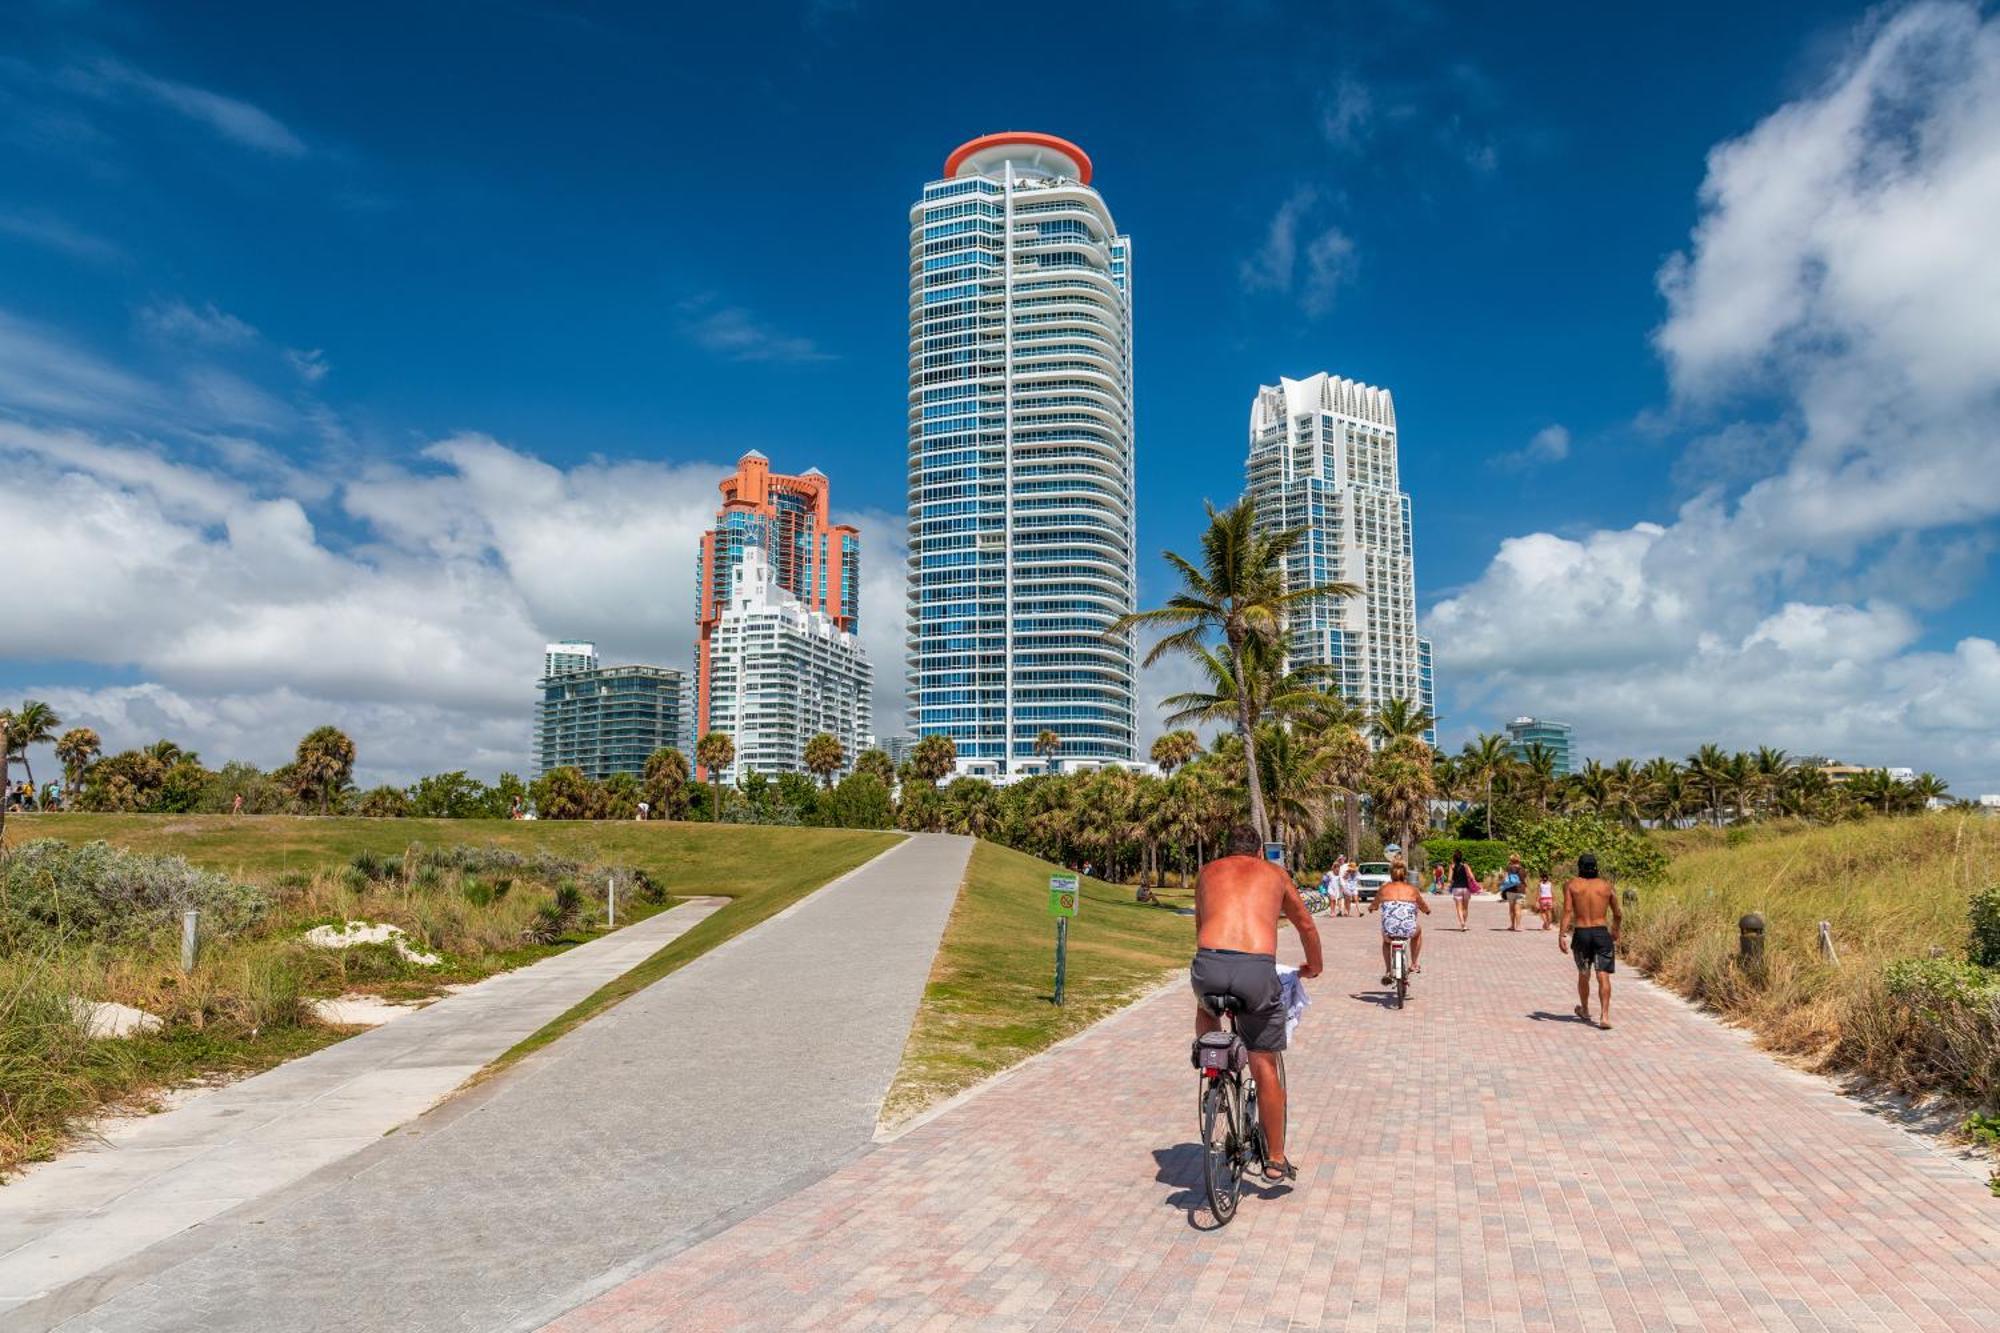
1296 998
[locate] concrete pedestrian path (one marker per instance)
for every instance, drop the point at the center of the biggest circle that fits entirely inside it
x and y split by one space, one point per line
750 1072
1478 1160
156 1177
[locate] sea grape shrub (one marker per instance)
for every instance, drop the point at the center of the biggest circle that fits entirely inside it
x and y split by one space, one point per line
1985 946
1625 854
54 892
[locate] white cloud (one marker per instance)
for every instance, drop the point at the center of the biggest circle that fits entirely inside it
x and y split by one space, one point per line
1841 270
420 631
233 119
1346 112
180 321
1290 261
308 362
734 333
55 234
1550 444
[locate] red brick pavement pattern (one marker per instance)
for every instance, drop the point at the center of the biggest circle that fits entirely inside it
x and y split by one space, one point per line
1478 1161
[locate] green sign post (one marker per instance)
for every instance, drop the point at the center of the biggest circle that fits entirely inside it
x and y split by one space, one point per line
1065 896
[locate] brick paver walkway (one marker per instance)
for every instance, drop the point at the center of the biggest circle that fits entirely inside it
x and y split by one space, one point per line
1478 1160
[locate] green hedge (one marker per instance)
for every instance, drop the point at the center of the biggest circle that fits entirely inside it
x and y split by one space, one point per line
1486 857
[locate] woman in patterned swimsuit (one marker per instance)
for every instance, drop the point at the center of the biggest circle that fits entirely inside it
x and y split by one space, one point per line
1399 902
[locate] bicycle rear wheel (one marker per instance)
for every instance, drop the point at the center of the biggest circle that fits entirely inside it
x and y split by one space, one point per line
1222 1146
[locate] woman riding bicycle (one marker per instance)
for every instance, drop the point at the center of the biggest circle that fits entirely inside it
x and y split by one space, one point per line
1399 902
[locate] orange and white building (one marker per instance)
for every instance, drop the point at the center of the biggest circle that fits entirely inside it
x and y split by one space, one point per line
813 559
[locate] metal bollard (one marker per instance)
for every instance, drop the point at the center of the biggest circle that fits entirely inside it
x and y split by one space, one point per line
611 902
1750 941
1826 949
190 927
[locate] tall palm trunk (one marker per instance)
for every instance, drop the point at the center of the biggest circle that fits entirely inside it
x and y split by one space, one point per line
1489 806
714 794
1245 726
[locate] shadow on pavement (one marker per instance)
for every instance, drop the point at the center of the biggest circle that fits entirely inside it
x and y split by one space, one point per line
1381 999
1180 1166
1543 1016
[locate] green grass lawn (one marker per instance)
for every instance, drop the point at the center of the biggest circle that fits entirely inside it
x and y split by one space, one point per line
987 1005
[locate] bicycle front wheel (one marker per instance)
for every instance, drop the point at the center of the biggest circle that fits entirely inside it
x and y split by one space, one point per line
1221 1147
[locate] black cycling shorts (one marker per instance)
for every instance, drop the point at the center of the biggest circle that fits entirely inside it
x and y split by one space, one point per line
1251 978
1592 946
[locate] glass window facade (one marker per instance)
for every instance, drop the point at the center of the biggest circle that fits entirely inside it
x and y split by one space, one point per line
1022 542
1323 458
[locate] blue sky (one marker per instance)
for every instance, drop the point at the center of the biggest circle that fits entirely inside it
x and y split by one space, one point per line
368 345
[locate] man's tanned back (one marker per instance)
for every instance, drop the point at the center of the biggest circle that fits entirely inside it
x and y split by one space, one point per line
1237 902
1588 902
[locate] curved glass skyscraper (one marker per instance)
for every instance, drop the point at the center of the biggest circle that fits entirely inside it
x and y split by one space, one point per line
1022 539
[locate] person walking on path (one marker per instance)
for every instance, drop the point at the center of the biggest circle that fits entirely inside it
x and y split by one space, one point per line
1513 887
1238 899
1329 884
1399 902
1588 937
1461 886
1545 902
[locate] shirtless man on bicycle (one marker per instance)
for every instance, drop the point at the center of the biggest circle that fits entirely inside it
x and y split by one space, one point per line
1237 902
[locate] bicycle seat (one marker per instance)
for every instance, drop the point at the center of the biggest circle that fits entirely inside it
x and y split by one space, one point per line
1222 1004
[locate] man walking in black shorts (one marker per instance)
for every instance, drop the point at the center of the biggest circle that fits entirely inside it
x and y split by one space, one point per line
1589 938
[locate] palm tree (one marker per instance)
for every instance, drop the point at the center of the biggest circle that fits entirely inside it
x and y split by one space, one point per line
1175 748
78 746
715 752
879 763
1663 791
1928 787
665 781
1484 758
1048 745
1295 784
1772 766
824 756
321 769
1401 720
1538 772
1627 789
33 723
1274 689
1402 784
933 757
972 807
1593 785
1238 592
1708 767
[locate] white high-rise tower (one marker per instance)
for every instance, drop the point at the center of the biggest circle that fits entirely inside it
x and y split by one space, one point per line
1323 458
1022 542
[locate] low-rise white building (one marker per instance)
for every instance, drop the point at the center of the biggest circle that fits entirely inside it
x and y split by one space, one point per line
782 674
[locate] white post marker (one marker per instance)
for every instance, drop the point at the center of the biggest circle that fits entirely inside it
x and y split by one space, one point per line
190 921
610 901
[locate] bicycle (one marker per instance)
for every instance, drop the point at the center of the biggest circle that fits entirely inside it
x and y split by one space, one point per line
1399 968
1232 1132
